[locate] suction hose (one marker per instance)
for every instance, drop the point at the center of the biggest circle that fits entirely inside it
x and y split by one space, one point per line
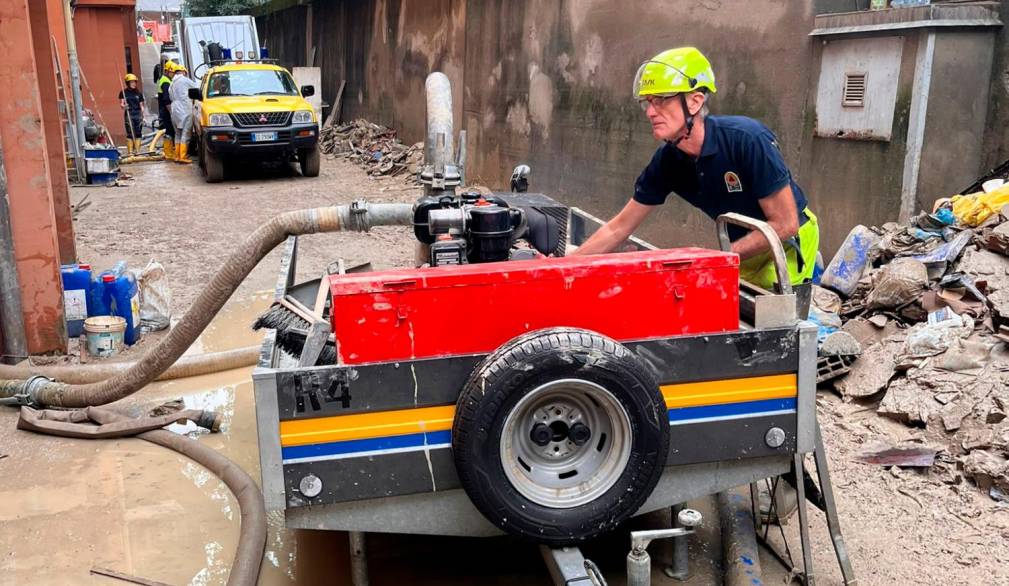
359 217
77 424
186 366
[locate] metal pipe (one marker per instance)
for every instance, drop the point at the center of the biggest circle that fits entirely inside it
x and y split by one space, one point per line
12 325
358 559
739 541
680 568
75 76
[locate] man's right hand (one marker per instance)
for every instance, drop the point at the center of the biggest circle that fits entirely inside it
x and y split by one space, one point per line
617 230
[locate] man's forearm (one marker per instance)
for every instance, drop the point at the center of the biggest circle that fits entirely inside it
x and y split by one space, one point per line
604 240
754 243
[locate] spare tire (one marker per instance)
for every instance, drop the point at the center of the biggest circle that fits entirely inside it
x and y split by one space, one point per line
560 435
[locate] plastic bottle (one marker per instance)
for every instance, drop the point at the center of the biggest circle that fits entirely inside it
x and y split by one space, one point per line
126 301
76 285
846 268
100 294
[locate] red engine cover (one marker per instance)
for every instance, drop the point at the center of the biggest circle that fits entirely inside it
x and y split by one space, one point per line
420 313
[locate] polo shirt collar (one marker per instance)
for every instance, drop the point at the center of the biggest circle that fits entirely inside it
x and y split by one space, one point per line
710 146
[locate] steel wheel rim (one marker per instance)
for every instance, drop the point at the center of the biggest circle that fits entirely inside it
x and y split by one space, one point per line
563 474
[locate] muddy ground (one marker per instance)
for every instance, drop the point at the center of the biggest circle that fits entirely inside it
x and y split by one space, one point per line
67 506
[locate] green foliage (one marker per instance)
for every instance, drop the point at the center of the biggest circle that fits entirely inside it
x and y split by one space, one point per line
219 7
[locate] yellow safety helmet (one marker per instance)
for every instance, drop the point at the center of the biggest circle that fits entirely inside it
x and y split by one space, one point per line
180 67
130 77
684 69
170 66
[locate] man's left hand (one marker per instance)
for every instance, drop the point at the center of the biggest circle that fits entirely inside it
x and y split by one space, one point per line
779 209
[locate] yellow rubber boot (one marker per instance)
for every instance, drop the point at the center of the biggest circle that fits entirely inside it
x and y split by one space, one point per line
181 151
168 146
138 146
129 147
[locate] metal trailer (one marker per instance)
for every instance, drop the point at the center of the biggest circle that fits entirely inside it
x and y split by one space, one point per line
759 422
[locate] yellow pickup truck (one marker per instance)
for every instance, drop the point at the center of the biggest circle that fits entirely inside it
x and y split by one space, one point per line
253 110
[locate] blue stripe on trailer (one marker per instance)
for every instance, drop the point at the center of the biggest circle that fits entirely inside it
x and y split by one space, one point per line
731 410
389 444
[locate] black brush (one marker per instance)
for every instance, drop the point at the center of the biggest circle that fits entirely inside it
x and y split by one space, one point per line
292 322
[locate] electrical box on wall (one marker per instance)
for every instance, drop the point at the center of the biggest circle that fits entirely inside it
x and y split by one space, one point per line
857 92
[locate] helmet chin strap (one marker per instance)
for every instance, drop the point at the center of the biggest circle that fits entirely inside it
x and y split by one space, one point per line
688 121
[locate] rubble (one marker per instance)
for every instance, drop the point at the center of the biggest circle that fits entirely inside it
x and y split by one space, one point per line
371 146
928 303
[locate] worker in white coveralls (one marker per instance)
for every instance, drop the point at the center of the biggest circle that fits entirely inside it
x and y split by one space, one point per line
719 164
182 112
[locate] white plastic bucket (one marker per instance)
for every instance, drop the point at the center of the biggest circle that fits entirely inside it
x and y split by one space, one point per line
104 335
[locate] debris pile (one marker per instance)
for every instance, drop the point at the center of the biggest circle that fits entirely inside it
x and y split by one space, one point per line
928 305
371 146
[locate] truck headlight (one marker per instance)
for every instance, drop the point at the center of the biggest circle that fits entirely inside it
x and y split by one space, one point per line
219 120
302 117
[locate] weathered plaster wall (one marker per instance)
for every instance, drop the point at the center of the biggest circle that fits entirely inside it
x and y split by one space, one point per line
856 181
549 83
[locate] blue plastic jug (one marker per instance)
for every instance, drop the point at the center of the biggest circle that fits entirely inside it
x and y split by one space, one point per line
126 301
76 285
115 292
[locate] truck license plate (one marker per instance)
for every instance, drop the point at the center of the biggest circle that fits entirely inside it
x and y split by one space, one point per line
264 136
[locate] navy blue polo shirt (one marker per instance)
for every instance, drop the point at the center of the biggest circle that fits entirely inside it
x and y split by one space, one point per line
739 165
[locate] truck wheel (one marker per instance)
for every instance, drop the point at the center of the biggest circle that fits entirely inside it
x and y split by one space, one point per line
560 435
214 167
308 160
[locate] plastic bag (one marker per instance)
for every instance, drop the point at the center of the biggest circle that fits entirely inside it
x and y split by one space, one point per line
155 297
900 282
977 207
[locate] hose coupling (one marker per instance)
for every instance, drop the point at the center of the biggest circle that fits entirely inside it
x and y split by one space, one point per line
26 394
359 216
209 420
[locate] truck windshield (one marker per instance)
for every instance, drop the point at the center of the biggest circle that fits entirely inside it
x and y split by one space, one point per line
253 82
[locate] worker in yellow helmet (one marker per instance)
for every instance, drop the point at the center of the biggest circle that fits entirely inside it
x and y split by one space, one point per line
132 101
182 112
719 164
164 113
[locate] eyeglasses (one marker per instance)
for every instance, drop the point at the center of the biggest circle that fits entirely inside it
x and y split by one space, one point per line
657 101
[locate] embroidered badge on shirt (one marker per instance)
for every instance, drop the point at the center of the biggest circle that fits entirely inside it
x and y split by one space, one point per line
732 183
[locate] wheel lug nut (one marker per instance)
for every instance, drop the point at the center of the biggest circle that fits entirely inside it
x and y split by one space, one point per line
579 433
540 434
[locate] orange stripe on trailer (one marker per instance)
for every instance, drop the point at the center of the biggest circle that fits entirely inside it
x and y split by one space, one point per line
736 390
337 428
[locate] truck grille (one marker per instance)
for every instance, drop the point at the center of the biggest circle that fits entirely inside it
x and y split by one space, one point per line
282 136
262 119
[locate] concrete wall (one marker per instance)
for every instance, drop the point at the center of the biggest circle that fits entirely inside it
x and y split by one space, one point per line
857 181
953 155
996 139
548 83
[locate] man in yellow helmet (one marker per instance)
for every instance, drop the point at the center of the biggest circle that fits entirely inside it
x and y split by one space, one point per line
182 112
716 163
164 114
132 101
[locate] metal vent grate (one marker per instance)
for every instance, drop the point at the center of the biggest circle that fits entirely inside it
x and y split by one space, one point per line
854 90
